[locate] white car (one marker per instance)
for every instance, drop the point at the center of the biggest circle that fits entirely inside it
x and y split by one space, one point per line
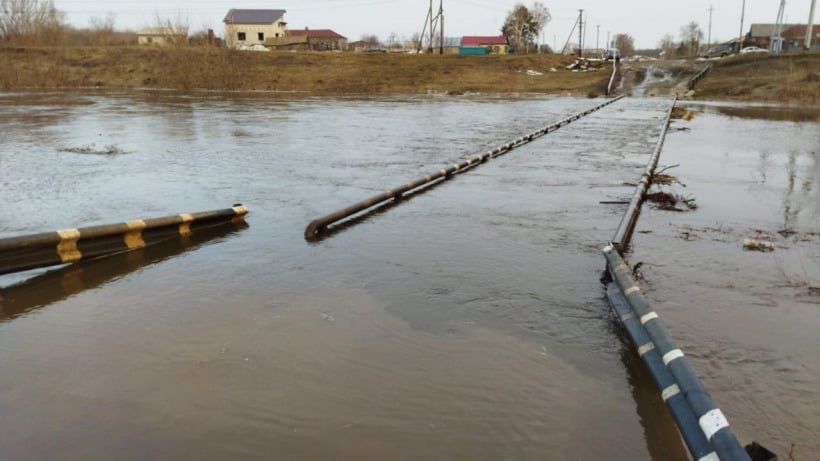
753 49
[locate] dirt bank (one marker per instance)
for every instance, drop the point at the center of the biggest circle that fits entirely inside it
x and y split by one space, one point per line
793 78
320 73
789 78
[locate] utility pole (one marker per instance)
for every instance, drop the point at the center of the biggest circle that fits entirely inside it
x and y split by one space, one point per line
742 16
776 42
430 15
441 24
580 33
597 36
810 25
709 40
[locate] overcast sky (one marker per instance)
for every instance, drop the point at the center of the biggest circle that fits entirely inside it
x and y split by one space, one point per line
646 20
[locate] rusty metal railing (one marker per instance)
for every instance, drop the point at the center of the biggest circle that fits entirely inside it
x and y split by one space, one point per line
698 77
317 226
624 233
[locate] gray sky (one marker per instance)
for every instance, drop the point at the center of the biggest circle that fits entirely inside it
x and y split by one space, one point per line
646 20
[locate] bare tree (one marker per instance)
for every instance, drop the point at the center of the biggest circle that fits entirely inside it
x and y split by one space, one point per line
102 28
520 28
30 21
541 16
394 42
175 29
371 41
691 35
668 45
625 44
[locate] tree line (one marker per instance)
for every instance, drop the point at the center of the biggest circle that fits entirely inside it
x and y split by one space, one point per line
40 23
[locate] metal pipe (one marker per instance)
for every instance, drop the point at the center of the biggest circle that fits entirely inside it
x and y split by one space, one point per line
612 78
711 420
624 233
318 225
70 245
686 421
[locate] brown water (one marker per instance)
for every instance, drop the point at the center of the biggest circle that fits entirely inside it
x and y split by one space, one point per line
468 322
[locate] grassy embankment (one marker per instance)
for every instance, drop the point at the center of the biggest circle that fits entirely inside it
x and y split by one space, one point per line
783 78
188 68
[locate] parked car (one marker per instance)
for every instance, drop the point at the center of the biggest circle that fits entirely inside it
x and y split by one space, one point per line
753 49
719 51
612 53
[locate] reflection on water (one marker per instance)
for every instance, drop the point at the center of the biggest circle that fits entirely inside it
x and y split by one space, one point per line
791 114
749 326
468 322
55 285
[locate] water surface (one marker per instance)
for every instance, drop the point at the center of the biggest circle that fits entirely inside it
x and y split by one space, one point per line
468 322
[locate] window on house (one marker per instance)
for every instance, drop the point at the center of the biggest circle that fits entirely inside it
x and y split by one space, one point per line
261 36
277 35
241 36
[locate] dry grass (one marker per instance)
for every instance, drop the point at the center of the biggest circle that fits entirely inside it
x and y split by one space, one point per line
319 73
782 78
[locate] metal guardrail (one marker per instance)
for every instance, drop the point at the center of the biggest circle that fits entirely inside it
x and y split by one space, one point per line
684 418
702 425
698 77
70 245
624 232
654 338
317 226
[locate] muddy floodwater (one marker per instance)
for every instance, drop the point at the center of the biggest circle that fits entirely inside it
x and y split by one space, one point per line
469 322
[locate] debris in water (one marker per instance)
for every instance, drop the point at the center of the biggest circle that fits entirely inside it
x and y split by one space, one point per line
534 72
665 179
688 236
668 202
636 271
757 245
787 232
111 149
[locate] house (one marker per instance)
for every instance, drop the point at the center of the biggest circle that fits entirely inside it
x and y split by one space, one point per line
490 44
160 36
794 35
321 39
253 27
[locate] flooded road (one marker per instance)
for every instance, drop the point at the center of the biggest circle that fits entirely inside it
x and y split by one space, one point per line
468 322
